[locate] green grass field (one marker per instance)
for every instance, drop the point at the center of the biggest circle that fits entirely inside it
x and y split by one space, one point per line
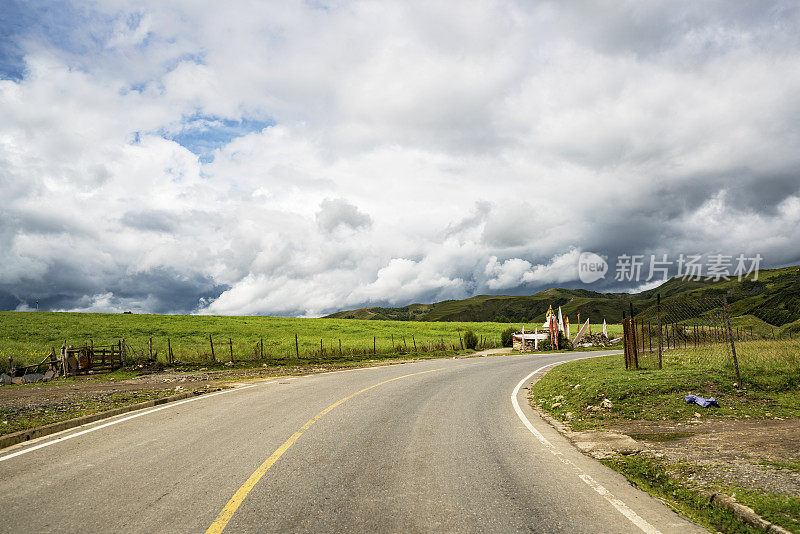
770 373
766 364
28 336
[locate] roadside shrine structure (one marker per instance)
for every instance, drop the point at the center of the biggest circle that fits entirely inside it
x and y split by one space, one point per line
527 341
553 324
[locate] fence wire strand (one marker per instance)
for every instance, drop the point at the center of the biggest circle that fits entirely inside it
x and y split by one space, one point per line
711 332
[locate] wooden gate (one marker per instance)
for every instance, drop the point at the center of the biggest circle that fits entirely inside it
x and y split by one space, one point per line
91 359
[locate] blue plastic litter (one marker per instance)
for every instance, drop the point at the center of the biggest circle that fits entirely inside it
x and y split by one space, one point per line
705 403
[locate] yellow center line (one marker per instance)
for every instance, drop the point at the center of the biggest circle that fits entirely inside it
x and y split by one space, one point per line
230 508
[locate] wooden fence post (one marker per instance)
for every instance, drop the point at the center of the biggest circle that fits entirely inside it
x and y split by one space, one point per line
169 351
54 362
374 345
150 348
340 347
230 344
211 341
296 347
414 342
262 347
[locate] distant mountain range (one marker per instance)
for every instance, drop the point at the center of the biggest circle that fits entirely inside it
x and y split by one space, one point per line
774 299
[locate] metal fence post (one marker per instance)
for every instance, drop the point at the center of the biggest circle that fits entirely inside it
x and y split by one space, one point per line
658 309
730 336
624 340
634 341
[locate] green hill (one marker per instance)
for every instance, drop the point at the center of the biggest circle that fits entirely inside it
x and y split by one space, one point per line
773 299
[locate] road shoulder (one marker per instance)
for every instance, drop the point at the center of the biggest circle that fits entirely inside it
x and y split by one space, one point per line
681 463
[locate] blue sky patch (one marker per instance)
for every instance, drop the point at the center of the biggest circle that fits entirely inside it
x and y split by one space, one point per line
14 20
72 29
202 134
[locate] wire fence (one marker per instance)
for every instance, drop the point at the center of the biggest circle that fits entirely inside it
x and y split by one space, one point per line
711 332
301 350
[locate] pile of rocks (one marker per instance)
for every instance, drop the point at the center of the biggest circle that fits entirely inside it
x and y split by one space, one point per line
596 340
29 378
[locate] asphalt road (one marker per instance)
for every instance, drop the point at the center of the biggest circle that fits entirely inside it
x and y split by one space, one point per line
436 445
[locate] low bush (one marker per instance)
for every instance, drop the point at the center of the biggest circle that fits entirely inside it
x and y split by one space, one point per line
470 339
506 337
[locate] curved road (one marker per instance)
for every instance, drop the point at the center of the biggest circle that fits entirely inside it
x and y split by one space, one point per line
435 445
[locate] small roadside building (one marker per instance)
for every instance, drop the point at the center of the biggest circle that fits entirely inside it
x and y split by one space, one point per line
526 341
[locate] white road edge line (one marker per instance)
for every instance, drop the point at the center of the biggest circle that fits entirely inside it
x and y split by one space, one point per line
117 421
623 508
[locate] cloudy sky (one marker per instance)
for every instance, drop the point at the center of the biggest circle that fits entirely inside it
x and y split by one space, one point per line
298 158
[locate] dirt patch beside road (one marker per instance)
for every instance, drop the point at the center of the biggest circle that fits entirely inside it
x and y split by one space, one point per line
29 406
748 453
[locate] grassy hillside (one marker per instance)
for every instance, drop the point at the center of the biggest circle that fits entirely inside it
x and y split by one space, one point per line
503 308
770 305
773 300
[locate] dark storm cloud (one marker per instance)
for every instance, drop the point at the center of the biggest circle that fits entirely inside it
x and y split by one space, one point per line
336 213
762 193
70 286
475 219
650 28
173 292
151 220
